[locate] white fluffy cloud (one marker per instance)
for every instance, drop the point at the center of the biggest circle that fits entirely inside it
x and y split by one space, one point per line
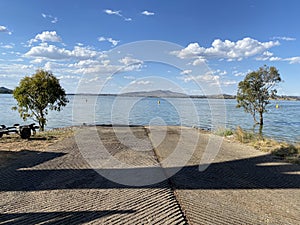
10 70
210 81
229 50
46 51
110 40
131 64
54 66
5 30
79 61
46 36
147 13
117 13
199 61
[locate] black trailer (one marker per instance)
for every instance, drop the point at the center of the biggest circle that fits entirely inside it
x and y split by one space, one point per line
24 131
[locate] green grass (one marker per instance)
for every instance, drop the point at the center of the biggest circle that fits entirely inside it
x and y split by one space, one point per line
223 132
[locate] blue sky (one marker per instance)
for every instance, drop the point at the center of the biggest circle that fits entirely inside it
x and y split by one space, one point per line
216 43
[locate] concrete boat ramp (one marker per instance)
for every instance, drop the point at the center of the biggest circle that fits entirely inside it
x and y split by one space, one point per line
148 175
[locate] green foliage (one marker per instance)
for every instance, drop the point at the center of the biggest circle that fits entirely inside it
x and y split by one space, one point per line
37 94
255 91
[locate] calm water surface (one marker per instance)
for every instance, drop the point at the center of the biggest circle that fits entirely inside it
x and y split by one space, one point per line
280 124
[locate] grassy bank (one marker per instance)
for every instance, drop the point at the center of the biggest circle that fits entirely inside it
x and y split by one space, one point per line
281 150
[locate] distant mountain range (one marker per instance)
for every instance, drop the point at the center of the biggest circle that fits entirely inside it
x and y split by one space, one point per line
167 94
163 94
4 90
171 94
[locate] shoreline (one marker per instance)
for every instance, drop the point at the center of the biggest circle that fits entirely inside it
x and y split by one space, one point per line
221 96
283 151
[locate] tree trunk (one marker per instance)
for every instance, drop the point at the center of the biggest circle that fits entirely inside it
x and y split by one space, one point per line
260 133
42 121
42 127
41 124
261 120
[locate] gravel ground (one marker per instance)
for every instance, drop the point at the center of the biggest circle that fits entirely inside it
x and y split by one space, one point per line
88 180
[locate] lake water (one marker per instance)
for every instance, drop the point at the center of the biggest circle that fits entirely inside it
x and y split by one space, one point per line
281 124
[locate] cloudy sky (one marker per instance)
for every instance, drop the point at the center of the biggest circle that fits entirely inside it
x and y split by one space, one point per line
198 46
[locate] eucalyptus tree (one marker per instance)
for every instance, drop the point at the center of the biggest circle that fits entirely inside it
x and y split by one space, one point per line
38 94
256 90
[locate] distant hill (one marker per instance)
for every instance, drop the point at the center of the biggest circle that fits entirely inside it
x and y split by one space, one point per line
288 98
157 93
4 90
220 96
171 94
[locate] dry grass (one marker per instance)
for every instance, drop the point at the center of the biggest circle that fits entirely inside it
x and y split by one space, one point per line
282 150
40 141
243 136
10 144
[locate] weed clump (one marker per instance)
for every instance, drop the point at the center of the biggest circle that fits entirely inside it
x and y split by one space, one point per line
223 132
244 136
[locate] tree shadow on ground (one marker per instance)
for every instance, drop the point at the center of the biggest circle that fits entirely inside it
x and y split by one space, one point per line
58 217
261 172
25 158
